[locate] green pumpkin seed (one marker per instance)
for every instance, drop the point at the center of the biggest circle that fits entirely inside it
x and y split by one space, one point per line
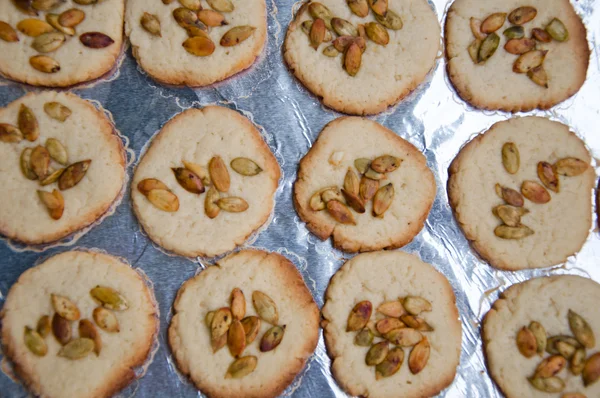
57 151
488 47
109 298
245 166
77 349
390 20
557 30
514 32
35 342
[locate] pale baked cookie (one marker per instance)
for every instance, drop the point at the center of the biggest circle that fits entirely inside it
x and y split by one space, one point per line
60 43
540 338
396 60
216 183
338 194
78 324
545 212
391 302
515 55
56 142
253 306
196 46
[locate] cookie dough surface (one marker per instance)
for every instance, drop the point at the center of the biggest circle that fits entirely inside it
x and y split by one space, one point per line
74 274
248 270
78 63
560 226
413 182
386 276
545 300
86 134
165 59
387 73
493 85
197 135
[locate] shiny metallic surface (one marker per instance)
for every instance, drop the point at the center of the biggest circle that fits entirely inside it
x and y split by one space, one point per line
433 118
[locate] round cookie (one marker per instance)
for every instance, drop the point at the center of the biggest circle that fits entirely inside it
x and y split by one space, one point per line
559 228
73 275
387 73
548 301
198 136
251 271
163 58
493 84
86 134
392 278
73 62
326 165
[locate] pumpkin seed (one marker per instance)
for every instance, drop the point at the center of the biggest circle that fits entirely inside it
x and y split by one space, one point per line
565 349
553 340
109 298
371 326
9 133
377 33
88 2
238 304
354 201
57 151
65 307
25 162
570 167
379 7
88 330
316 202
510 215
185 17
218 342
514 32
272 338
359 7
319 11
193 5
34 342
306 26
96 40
475 25
221 322
245 167
57 111
473 50
364 338
573 395
221 5
106 320
386 325
61 329
488 47
404 337
581 330
54 202
265 307
40 161
416 322
236 339
377 353
211 208
392 309
200 46
212 18
368 188
77 349
550 367
251 325
510 196
25 7
44 326
522 15
390 20
330 51
386 164
510 157
359 316
383 200
208 318
219 174
343 27
535 192
362 165
151 24
539 76
52 19
551 384
45 64
188 180
52 177
340 212
353 58
34 27
237 35
317 33
541 35
7 33
493 22
519 46
391 364
529 60
557 30
148 184
419 356
163 200
73 174
48 42
241 367
199 171
519 232
71 18
232 204
577 362
548 176
591 370
27 123
415 305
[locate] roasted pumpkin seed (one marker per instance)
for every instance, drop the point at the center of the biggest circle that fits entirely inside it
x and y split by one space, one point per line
232 204
199 171
34 342
251 325
164 200
553 340
52 177
61 329
488 47
577 362
54 202
522 15
551 384
541 35
89 2
57 151
419 356
475 25
319 11
151 24
45 64
343 27
148 184
377 353
40 161
404 337
238 304
221 5
386 164
245 167
557 30
354 201
7 33
95 40
193 5
519 232
106 320
392 309
330 51
73 174
219 174
550 367
519 46
473 50
236 338
211 208
529 60
48 42
44 326
77 348
25 162
571 167
548 176
241 367
359 316
34 27
88 330
535 192
212 18
272 338
386 325
415 305
377 33
391 364
52 19
65 307
237 35
510 215
265 307
109 298
317 33
9 133
188 180
591 370
416 322
25 7
581 330
57 111
390 20
510 196
368 188
208 318
71 18
331 193
364 338
379 7
353 59
493 22
340 212
565 349
359 7
539 76
383 200
362 165
514 32
27 122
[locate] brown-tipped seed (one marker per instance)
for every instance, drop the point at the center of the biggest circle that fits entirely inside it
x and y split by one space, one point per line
45 64
391 364
550 367
526 342
212 18
219 174
377 353
163 200
61 329
241 367
340 212
52 19
265 307
591 370
65 307
317 33
109 298
188 180
353 59
535 192
330 51
96 40
185 17
557 30
48 42
581 330
416 322
529 61
57 111
40 161
390 20
571 167
351 182
354 201
238 304
519 232
218 342
359 316
106 320
319 11
251 325
9 133
54 202
539 76
386 164
488 47
359 7
541 35
522 15
514 32
200 46
221 5
364 338
379 7
577 362
34 342
415 305
392 309
73 174
193 5
88 330
548 176
551 384
236 339
419 355
519 46
28 124
77 348
211 208
71 17
199 171
44 326
377 33
57 151
510 215
25 162
510 196
148 184
343 27
404 337
386 325
383 200
151 24
52 177
237 35
493 22
232 204
7 33
34 27
272 338
331 193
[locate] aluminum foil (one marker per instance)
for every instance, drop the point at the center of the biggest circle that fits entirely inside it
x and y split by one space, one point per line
433 118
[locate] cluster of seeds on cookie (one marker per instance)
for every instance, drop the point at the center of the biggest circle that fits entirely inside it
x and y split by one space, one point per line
194 178
36 161
197 22
51 34
230 326
358 190
510 213
66 312
400 325
565 351
351 40
531 59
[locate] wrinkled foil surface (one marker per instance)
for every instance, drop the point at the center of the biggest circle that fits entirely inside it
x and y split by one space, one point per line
433 118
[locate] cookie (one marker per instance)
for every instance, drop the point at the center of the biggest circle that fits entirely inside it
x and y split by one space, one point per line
337 194
180 53
499 79
537 310
61 43
59 133
219 176
109 354
396 60
540 221
405 306
271 308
